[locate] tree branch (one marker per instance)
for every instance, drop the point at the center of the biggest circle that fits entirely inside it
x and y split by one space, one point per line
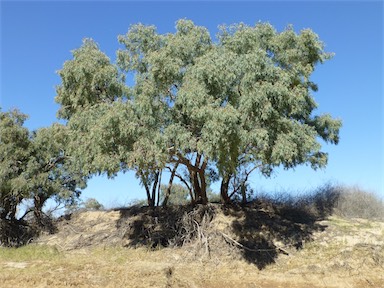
245 180
173 172
186 162
52 162
253 250
181 178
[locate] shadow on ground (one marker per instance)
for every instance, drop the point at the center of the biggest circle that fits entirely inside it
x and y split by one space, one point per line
16 233
260 230
265 230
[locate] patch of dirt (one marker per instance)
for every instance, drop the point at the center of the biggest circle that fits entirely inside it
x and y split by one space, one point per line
18 265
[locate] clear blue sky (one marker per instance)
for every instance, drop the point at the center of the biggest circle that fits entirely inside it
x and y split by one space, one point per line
37 37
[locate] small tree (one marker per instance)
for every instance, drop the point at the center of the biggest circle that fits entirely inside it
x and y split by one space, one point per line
93 204
50 173
14 153
34 166
179 195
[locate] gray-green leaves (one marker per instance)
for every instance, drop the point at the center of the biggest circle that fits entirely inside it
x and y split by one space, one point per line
236 103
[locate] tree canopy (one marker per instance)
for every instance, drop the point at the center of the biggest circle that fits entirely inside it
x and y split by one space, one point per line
14 153
203 109
34 166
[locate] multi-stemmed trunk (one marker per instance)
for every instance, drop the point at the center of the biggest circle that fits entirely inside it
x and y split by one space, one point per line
197 176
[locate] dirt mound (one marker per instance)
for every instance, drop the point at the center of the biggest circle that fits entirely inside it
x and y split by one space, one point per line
258 232
84 229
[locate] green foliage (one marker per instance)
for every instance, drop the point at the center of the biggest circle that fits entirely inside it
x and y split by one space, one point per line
34 166
213 197
14 155
93 204
49 168
87 80
179 194
137 202
203 109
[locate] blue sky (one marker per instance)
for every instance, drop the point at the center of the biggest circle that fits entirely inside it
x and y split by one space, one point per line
37 37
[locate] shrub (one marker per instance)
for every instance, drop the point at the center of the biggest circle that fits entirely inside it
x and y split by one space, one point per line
355 202
93 204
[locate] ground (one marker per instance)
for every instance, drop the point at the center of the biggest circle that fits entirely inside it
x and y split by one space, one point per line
123 248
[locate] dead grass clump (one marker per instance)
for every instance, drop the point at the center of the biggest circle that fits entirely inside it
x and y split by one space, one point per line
355 202
328 199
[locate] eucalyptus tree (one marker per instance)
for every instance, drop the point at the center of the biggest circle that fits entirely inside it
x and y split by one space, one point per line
14 154
107 130
243 100
50 173
214 108
34 166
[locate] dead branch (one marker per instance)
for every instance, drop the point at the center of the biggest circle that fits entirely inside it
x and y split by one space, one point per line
250 249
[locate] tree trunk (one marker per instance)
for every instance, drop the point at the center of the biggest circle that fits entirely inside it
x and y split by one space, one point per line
224 190
158 190
38 201
197 177
151 195
203 186
168 192
154 189
193 200
243 193
149 199
200 188
144 181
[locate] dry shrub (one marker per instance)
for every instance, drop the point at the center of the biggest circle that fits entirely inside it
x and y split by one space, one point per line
328 199
321 202
355 202
171 226
316 204
194 225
